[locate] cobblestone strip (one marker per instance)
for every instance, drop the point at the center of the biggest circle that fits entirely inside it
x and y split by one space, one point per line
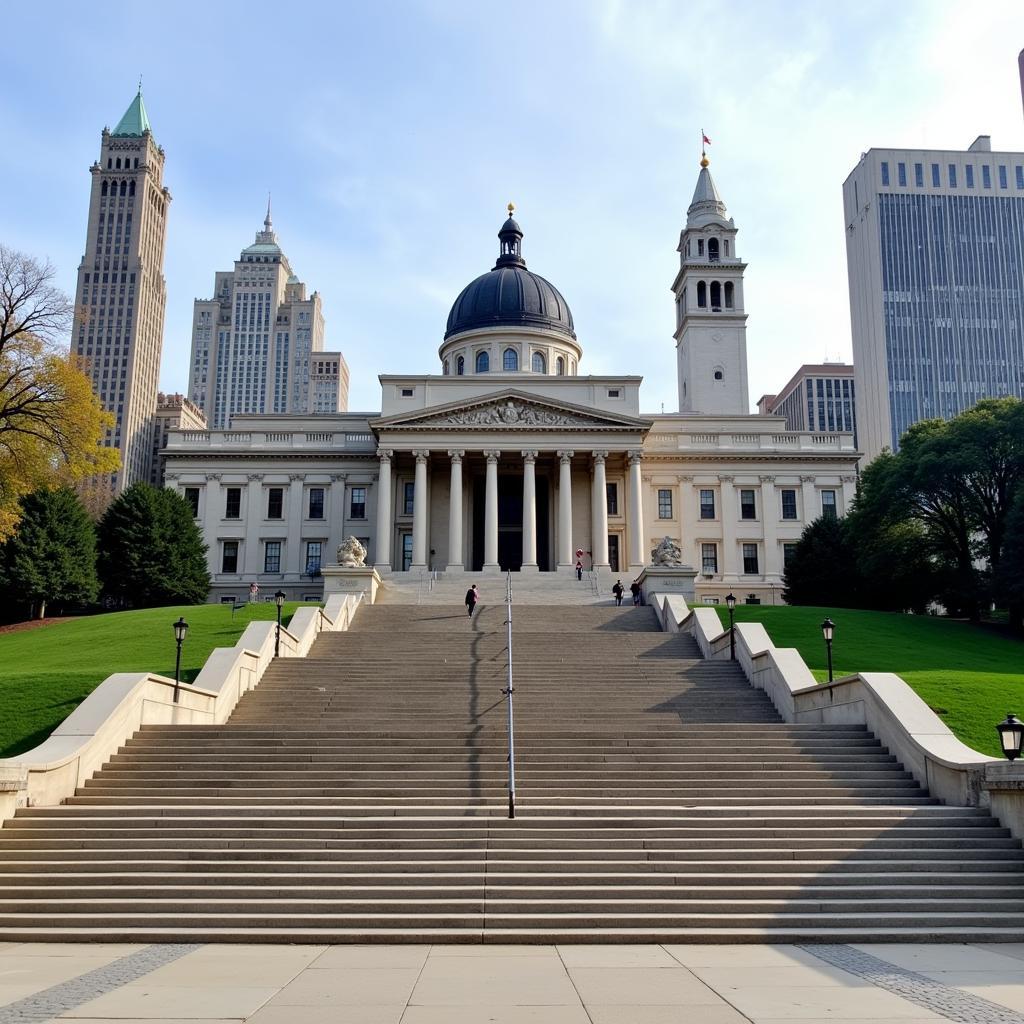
52 1002
945 1000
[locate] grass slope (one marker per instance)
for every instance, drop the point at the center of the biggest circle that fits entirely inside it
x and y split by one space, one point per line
970 676
45 673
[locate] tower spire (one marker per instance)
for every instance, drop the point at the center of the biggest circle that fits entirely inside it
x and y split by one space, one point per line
511 235
268 223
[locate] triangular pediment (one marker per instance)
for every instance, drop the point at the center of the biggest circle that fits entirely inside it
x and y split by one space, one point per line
510 410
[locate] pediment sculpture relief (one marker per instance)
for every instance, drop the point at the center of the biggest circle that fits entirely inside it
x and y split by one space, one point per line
510 413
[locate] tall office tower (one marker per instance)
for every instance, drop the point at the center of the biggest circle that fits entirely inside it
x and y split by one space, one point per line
819 397
254 344
711 325
933 248
121 293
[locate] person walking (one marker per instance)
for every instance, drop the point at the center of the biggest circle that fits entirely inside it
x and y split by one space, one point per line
472 596
579 569
617 590
634 589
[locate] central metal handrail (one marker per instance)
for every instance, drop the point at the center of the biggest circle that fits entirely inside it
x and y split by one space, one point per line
508 691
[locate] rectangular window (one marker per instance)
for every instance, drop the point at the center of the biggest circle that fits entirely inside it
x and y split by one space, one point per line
748 507
750 559
1019 171
1003 183
275 502
788 551
665 504
192 497
901 174
952 175
919 175
232 503
709 559
789 504
314 552
409 493
272 556
969 175
707 504
885 172
986 176
613 499
229 556
828 503
936 180
357 507
316 503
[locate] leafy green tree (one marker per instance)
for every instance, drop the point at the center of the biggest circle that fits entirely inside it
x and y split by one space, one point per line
151 551
51 559
1010 575
823 568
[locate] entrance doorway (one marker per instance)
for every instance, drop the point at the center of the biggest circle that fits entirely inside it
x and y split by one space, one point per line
510 522
613 551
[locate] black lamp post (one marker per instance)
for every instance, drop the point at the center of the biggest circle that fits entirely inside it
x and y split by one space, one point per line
279 599
828 627
1011 736
730 603
180 632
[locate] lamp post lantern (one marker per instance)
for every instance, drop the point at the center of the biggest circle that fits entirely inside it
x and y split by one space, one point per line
828 627
180 632
1011 736
279 601
730 603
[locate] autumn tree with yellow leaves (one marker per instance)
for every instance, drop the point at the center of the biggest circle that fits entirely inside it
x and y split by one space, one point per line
51 422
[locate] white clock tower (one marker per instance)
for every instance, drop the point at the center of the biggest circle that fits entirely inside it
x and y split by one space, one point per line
711 331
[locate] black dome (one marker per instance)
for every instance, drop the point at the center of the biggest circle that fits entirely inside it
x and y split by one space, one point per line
509 295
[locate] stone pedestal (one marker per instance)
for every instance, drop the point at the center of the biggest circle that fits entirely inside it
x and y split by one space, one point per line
339 579
667 579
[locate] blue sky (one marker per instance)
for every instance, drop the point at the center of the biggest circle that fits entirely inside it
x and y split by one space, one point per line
393 134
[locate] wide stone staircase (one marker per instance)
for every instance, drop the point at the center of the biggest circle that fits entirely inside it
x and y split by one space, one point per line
359 795
546 588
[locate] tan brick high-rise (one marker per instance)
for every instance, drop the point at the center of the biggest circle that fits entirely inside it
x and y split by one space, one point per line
121 291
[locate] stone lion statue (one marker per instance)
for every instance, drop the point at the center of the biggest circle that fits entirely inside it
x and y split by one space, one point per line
351 554
668 552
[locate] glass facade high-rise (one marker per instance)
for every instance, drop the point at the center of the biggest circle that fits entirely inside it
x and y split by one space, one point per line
936 272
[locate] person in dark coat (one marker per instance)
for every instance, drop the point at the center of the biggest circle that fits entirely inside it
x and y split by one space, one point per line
617 590
472 596
579 569
634 589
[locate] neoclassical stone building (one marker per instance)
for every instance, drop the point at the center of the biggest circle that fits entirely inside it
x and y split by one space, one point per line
511 459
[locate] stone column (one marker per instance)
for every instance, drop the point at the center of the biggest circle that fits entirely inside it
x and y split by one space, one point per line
849 482
491 513
529 511
382 540
213 512
599 513
565 558
811 501
731 554
455 562
336 510
294 563
637 542
419 513
255 511
770 520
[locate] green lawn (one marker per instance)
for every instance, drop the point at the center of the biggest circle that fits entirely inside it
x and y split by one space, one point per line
970 676
47 671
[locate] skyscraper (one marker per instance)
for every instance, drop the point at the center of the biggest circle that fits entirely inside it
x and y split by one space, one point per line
121 293
257 342
935 255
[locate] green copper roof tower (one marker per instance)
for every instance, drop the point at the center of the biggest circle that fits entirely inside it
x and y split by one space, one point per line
135 120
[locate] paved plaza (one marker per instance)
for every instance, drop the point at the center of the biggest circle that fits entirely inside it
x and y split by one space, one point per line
612 984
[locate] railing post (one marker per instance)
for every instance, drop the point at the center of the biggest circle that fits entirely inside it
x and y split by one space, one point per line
508 691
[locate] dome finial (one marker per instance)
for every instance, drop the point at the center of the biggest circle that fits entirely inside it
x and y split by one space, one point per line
511 208
511 235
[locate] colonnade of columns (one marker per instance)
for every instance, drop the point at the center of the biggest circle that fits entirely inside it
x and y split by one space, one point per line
565 555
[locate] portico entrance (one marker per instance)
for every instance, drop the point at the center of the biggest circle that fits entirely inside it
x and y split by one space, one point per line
510 522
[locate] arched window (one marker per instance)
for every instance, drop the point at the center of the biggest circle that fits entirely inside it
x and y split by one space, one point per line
702 294
729 301
560 366
118 164
136 162
510 359
131 188
124 187
444 369
103 191
716 297
110 163
460 366
719 373
483 362
713 250
538 362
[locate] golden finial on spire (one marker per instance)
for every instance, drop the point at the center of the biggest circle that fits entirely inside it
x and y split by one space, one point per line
704 161
511 209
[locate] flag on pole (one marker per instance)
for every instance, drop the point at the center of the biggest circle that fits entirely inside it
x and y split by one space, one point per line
706 140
